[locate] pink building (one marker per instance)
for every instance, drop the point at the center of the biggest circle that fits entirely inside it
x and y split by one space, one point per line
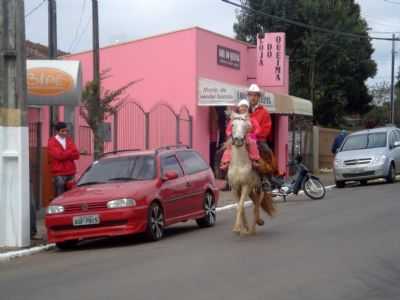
183 74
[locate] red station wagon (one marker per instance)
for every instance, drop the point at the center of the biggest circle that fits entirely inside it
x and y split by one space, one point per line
132 191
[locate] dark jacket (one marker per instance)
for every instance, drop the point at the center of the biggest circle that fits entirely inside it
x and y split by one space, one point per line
338 142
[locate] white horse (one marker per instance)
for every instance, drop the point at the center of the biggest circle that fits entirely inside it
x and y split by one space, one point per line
244 180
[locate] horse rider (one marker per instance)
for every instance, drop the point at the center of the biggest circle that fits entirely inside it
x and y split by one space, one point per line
261 114
251 138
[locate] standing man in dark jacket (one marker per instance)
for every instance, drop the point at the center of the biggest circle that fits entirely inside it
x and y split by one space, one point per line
62 154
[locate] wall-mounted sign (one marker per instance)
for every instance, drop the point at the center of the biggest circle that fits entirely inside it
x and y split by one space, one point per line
54 82
228 57
217 93
271 59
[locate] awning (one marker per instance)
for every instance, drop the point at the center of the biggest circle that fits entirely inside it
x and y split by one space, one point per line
217 93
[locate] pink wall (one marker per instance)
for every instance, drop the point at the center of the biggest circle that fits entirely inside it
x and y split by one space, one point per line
165 64
169 66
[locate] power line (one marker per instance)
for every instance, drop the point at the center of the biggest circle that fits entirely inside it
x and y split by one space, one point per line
34 9
308 26
82 34
79 25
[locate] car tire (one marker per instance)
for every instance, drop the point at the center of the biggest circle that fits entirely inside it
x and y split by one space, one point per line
210 212
67 245
363 182
391 177
155 222
340 184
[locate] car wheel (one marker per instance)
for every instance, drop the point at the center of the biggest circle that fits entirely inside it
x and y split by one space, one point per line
155 222
363 182
391 175
210 211
67 245
340 184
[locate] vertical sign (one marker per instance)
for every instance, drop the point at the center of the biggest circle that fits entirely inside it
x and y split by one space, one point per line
271 59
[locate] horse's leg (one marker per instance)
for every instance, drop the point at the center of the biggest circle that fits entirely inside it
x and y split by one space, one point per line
244 228
236 227
256 211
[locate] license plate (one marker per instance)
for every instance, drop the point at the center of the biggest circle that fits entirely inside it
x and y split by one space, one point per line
86 220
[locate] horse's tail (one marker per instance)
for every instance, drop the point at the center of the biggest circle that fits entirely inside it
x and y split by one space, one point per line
268 205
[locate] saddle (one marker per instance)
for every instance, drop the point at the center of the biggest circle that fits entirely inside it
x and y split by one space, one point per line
268 164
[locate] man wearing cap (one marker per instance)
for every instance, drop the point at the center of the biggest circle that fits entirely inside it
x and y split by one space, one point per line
261 114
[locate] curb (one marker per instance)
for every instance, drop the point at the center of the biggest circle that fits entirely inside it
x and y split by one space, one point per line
26 252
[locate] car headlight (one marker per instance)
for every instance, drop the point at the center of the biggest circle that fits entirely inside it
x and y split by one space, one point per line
379 160
338 162
55 209
121 203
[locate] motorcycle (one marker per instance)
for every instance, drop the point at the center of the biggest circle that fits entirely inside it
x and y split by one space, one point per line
302 180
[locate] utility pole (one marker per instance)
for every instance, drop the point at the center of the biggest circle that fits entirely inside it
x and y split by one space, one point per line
53 49
96 46
98 149
14 133
392 112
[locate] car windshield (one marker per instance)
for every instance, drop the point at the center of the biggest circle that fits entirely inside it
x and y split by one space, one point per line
125 168
365 141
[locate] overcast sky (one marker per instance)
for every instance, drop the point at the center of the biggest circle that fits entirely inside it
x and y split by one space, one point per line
123 20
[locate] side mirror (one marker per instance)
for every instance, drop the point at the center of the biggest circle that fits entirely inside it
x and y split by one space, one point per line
170 175
69 185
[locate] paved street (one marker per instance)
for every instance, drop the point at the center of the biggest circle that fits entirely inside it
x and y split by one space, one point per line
346 246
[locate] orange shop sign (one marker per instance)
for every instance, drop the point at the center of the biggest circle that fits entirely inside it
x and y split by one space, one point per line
54 82
48 82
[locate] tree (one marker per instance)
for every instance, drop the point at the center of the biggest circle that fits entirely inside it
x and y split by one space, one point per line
328 69
98 106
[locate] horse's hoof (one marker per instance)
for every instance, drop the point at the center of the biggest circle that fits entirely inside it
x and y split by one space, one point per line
252 232
244 233
236 230
260 222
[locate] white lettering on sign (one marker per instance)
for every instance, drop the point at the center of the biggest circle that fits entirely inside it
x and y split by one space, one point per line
228 57
271 59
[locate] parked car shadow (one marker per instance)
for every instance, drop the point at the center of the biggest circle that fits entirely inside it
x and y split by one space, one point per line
133 240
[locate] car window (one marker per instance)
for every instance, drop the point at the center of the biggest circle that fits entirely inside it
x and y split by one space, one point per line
120 168
171 164
397 134
192 162
365 141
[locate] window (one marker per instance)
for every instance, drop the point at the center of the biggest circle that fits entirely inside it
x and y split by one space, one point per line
120 168
170 164
365 141
397 135
192 162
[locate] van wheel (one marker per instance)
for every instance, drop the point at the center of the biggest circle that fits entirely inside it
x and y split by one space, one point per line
391 175
340 184
364 182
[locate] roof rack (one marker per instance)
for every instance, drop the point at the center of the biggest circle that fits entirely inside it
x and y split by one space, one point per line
119 151
170 147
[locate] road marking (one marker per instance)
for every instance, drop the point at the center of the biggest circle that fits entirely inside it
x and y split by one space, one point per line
25 252
248 203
